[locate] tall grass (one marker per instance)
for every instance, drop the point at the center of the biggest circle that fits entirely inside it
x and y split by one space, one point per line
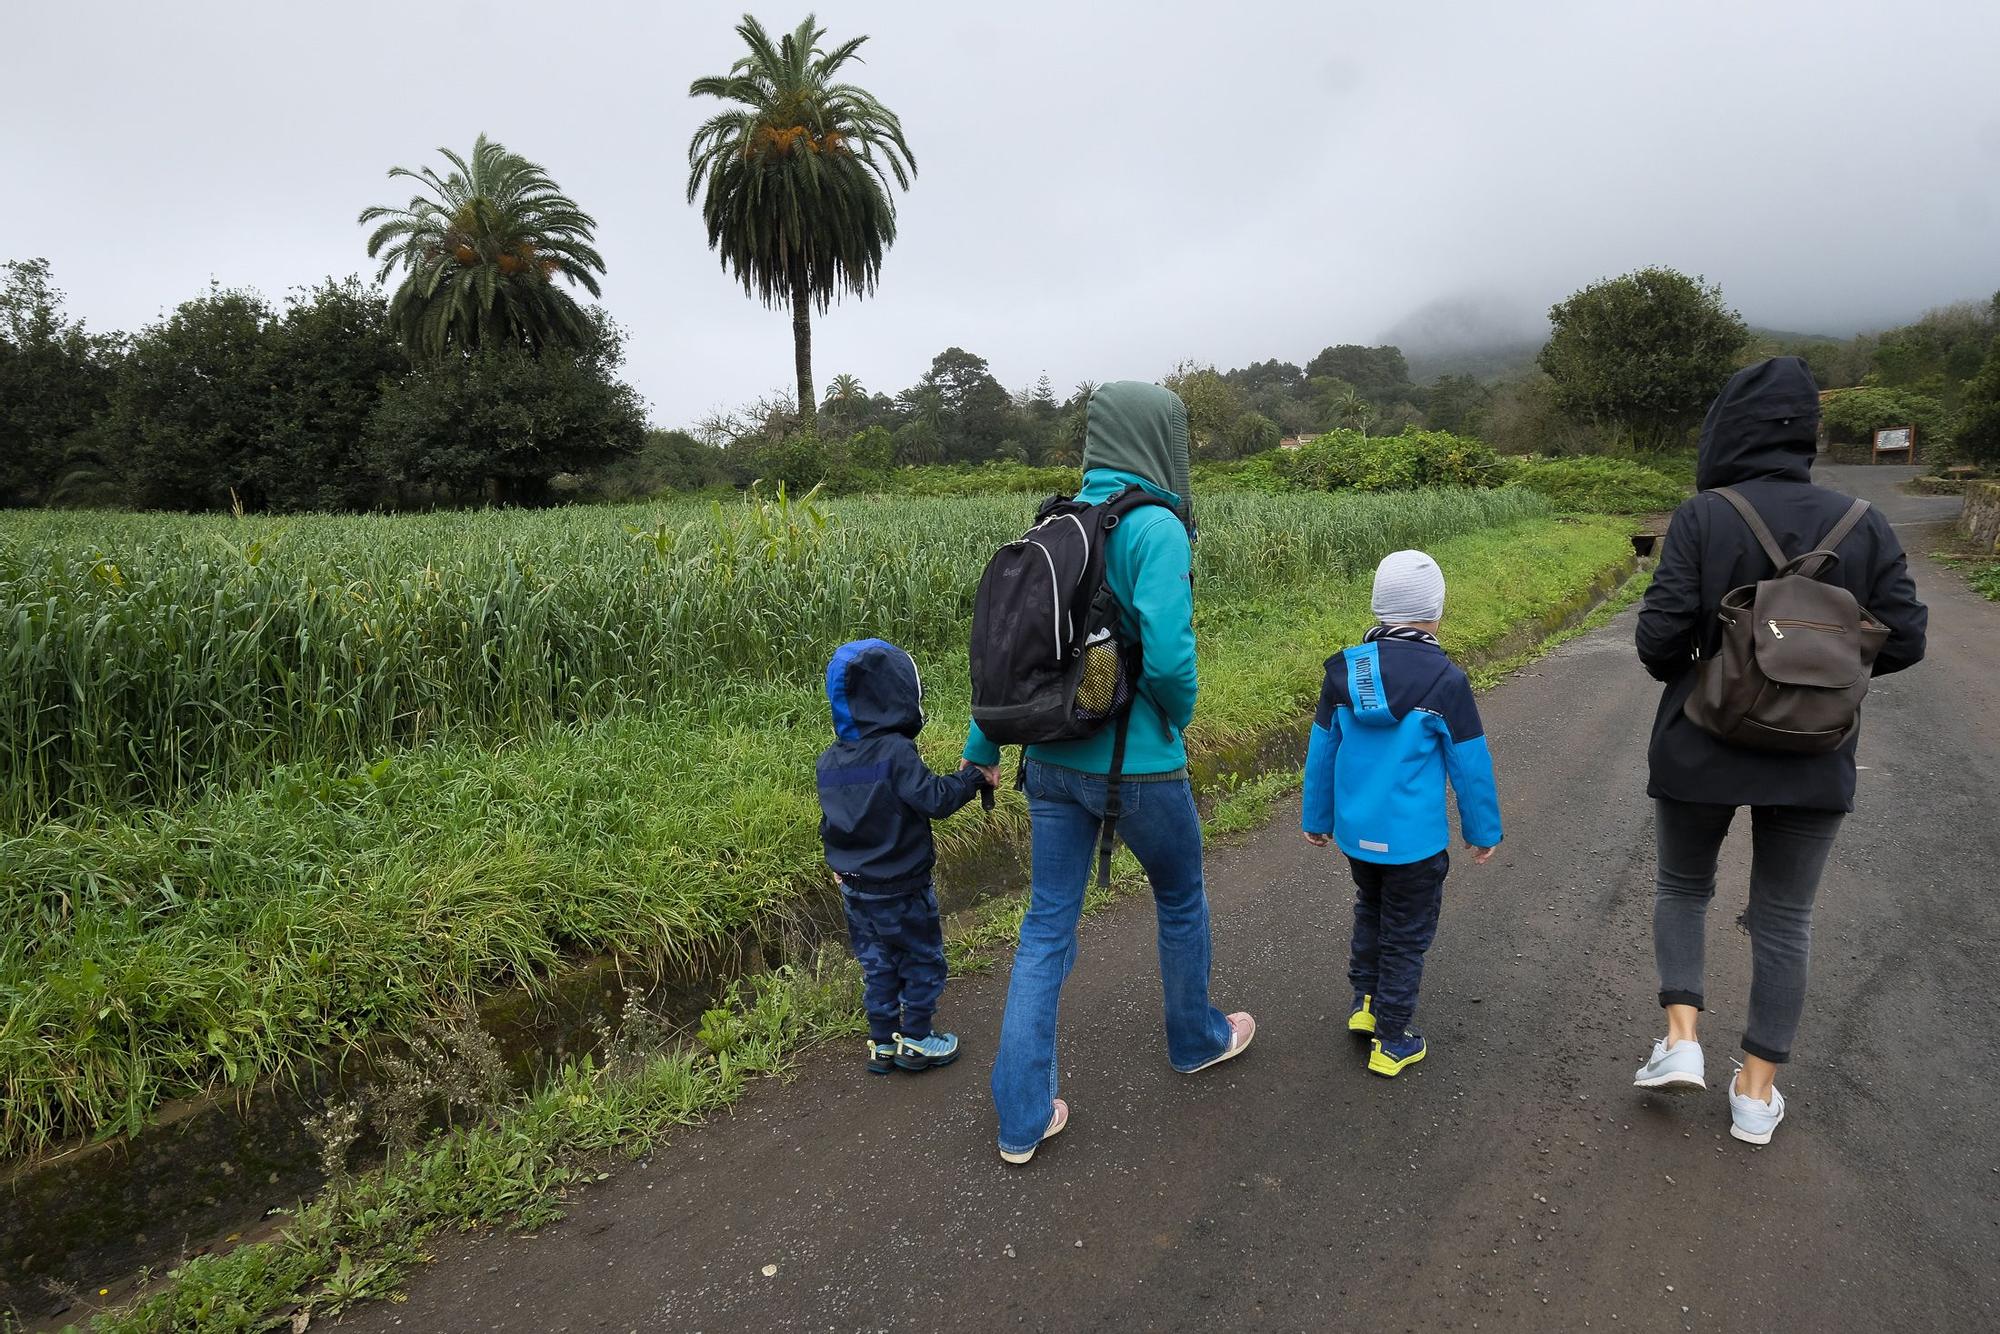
145 657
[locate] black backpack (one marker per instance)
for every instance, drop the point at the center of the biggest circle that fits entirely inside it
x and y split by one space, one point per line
1049 657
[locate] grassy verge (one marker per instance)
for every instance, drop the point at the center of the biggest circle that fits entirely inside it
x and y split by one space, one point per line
1983 575
521 1164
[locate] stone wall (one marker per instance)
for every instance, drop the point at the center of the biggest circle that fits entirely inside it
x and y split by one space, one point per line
1981 518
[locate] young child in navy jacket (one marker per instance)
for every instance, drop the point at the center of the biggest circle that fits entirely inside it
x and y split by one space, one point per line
1396 720
877 800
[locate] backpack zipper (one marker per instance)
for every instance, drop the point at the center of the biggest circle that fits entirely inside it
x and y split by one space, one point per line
1801 625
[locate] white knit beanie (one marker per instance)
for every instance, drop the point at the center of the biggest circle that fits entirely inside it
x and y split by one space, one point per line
1409 587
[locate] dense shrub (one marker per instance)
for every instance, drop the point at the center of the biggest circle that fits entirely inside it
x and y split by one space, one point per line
839 465
1259 473
499 423
1599 485
1349 461
993 479
1852 416
669 462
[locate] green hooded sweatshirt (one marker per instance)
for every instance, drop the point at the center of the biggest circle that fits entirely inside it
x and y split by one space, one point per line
1138 433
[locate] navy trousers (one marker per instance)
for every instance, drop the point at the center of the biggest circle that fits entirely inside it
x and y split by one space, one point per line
1395 919
900 943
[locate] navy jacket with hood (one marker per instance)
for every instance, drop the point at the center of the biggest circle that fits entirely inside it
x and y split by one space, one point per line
877 797
1760 439
1396 719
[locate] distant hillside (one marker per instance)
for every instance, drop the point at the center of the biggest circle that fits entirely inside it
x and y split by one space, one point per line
1451 338
1486 336
1501 361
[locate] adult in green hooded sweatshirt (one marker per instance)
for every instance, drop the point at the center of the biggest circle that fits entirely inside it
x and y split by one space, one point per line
1136 435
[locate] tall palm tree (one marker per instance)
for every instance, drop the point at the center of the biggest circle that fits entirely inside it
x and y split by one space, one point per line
796 177
481 249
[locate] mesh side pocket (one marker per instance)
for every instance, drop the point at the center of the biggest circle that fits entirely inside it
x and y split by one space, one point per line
1103 689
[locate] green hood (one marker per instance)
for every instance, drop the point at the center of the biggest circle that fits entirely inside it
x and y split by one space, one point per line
1140 429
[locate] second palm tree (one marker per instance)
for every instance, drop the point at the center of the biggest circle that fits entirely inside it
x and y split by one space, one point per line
794 180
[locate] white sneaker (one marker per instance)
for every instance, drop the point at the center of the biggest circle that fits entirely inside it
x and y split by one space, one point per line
1752 1121
1677 1065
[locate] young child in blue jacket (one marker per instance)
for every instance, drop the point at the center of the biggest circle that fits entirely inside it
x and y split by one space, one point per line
1396 719
877 799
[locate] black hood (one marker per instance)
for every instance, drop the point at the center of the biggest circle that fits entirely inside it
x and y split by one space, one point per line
873 688
1765 423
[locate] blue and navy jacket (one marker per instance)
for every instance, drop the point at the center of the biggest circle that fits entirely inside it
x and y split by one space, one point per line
1396 718
877 797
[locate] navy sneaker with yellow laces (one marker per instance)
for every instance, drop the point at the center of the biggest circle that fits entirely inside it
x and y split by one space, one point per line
881 1057
1390 1056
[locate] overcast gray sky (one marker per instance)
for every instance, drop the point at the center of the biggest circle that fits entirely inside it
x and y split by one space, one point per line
1103 189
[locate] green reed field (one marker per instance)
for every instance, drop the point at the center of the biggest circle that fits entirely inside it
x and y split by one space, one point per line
276 786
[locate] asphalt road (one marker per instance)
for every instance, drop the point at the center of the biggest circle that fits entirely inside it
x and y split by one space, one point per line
1513 1181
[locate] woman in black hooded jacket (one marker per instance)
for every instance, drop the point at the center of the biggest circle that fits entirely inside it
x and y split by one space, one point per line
1760 439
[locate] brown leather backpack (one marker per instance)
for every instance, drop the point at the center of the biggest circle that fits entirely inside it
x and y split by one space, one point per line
1796 651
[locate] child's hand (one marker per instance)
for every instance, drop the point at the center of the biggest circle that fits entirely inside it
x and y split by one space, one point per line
1319 840
989 774
1481 856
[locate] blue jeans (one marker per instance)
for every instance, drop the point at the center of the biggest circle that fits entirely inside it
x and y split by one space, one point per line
900 944
1395 920
1789 847
1161 827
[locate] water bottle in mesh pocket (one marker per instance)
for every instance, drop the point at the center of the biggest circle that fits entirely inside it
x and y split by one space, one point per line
1048 661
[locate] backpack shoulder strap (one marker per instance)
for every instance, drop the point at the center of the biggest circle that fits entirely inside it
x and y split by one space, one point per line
1829 544
1757 525
1131 498
1839 532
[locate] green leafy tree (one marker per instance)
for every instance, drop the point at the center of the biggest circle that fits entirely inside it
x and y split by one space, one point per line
973 410
1938 352
192 403
1213 404
1273 374
55 378
481 250
228 401
794 180
1457 403
329 358
1378 374
1645 353
500 423
1978 439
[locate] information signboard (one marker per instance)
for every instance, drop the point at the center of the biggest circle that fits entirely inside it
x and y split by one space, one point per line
1898 440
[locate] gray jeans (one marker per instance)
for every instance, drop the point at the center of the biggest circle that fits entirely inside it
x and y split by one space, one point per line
1788 851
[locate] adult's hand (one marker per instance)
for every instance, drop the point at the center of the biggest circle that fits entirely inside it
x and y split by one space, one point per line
989 772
